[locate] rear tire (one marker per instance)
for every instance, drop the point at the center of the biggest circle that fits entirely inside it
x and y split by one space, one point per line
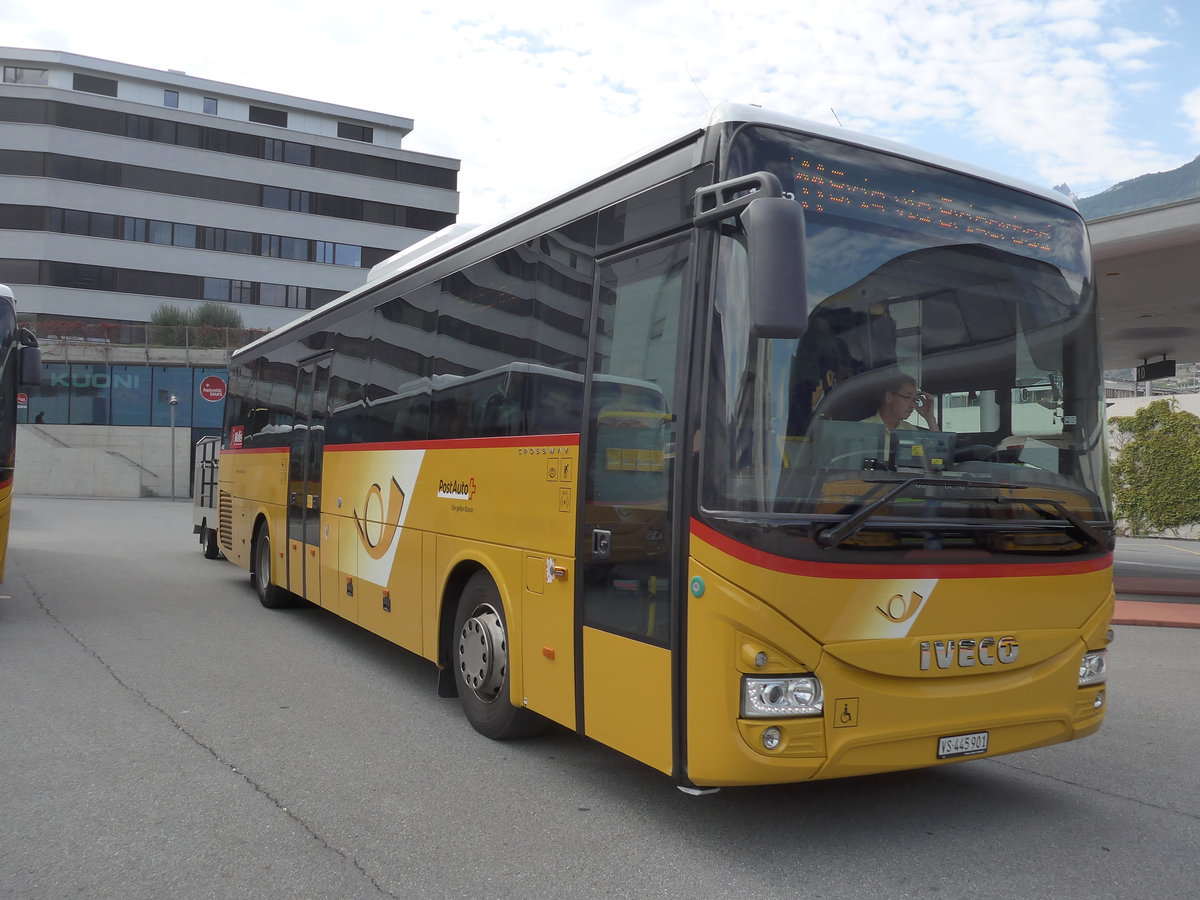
479 657
272 596
208 541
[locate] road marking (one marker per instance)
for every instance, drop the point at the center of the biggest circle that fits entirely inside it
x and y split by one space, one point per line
1134 562
1182 549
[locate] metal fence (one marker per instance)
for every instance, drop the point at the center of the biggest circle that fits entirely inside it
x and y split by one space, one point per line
109 342
143 334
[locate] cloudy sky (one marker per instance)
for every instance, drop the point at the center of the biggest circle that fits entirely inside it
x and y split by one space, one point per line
533 96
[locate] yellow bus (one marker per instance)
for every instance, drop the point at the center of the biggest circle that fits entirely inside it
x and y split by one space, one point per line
20 366
628 461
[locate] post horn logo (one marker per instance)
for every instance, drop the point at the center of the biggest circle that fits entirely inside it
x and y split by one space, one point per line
377 538
900 608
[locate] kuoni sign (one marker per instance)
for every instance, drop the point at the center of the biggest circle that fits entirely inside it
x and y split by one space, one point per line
212 389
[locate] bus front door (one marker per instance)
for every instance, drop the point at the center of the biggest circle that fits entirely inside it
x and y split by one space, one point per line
627 513
304 480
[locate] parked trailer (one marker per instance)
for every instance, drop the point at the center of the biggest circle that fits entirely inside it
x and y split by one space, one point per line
204 505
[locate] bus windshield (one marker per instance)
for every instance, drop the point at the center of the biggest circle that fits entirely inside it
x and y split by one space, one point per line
946 393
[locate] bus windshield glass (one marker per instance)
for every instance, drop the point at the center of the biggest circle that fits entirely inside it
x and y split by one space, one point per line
946 393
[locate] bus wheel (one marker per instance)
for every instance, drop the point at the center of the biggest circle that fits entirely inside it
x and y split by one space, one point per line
272 596
208 541
480 660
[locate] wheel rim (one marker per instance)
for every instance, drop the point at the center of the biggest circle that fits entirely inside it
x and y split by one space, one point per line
483 653
262 567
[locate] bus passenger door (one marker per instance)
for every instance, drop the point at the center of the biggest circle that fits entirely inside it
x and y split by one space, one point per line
627 520
304 480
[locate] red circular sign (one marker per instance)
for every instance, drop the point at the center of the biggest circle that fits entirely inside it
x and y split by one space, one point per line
212 388
23 399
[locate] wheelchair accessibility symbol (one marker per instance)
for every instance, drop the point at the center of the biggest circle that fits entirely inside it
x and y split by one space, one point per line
845 712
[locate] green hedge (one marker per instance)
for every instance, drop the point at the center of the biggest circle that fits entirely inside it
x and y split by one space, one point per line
1156 474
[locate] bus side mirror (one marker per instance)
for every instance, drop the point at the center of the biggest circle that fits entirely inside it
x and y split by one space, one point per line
774 228
29 360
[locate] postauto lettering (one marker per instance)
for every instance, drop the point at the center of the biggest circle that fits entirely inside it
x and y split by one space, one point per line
456 489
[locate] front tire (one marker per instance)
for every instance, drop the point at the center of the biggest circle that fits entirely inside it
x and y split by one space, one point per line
479 657
272 596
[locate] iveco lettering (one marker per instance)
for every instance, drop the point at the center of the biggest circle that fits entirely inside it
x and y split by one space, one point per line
967 652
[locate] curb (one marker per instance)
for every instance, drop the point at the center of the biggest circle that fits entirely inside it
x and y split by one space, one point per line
1168 615
1163 587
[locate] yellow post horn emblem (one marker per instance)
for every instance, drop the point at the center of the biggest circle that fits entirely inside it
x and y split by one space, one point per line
391 520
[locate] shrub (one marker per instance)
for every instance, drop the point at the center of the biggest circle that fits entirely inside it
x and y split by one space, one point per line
169 315
215 315
209 323
1156 475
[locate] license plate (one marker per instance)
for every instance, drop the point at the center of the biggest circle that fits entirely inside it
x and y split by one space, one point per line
962 745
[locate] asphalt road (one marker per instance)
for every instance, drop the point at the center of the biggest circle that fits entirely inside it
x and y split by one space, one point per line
162 735
1157 558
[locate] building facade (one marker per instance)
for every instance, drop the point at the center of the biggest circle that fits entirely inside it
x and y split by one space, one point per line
125 189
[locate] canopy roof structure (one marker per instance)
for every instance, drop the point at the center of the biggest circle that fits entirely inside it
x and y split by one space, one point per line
1147 266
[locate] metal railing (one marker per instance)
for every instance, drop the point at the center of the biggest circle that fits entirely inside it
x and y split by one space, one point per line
70 341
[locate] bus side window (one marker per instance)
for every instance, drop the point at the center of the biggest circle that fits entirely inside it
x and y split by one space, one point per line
558 409
412 418
501 416
256 424
449 415
346 423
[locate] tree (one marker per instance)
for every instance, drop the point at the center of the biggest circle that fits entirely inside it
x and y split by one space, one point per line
1156 475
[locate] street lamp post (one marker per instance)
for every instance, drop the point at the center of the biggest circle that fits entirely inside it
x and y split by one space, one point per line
174 401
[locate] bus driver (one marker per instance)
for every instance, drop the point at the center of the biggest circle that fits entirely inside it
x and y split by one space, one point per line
900 397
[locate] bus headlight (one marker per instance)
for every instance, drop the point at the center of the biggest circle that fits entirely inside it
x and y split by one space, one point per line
1093 668
790 695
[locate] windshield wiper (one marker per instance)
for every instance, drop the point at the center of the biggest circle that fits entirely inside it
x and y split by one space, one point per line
831 537
1102 540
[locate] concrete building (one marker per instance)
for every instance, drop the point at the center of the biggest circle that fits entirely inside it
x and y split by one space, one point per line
123 189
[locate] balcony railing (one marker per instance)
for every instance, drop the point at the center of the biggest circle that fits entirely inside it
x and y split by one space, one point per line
64 340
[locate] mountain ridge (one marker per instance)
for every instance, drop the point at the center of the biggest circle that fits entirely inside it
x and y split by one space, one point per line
1142 192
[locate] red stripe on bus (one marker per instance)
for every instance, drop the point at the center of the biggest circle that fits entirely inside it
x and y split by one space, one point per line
535 440
783 564
532 440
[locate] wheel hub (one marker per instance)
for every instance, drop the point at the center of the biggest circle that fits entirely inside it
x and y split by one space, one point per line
483 653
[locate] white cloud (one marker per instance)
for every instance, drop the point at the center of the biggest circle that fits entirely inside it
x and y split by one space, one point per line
1190 105
533 98
1126 45
1142 87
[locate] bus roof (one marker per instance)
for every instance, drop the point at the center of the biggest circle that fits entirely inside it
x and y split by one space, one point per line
459 235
